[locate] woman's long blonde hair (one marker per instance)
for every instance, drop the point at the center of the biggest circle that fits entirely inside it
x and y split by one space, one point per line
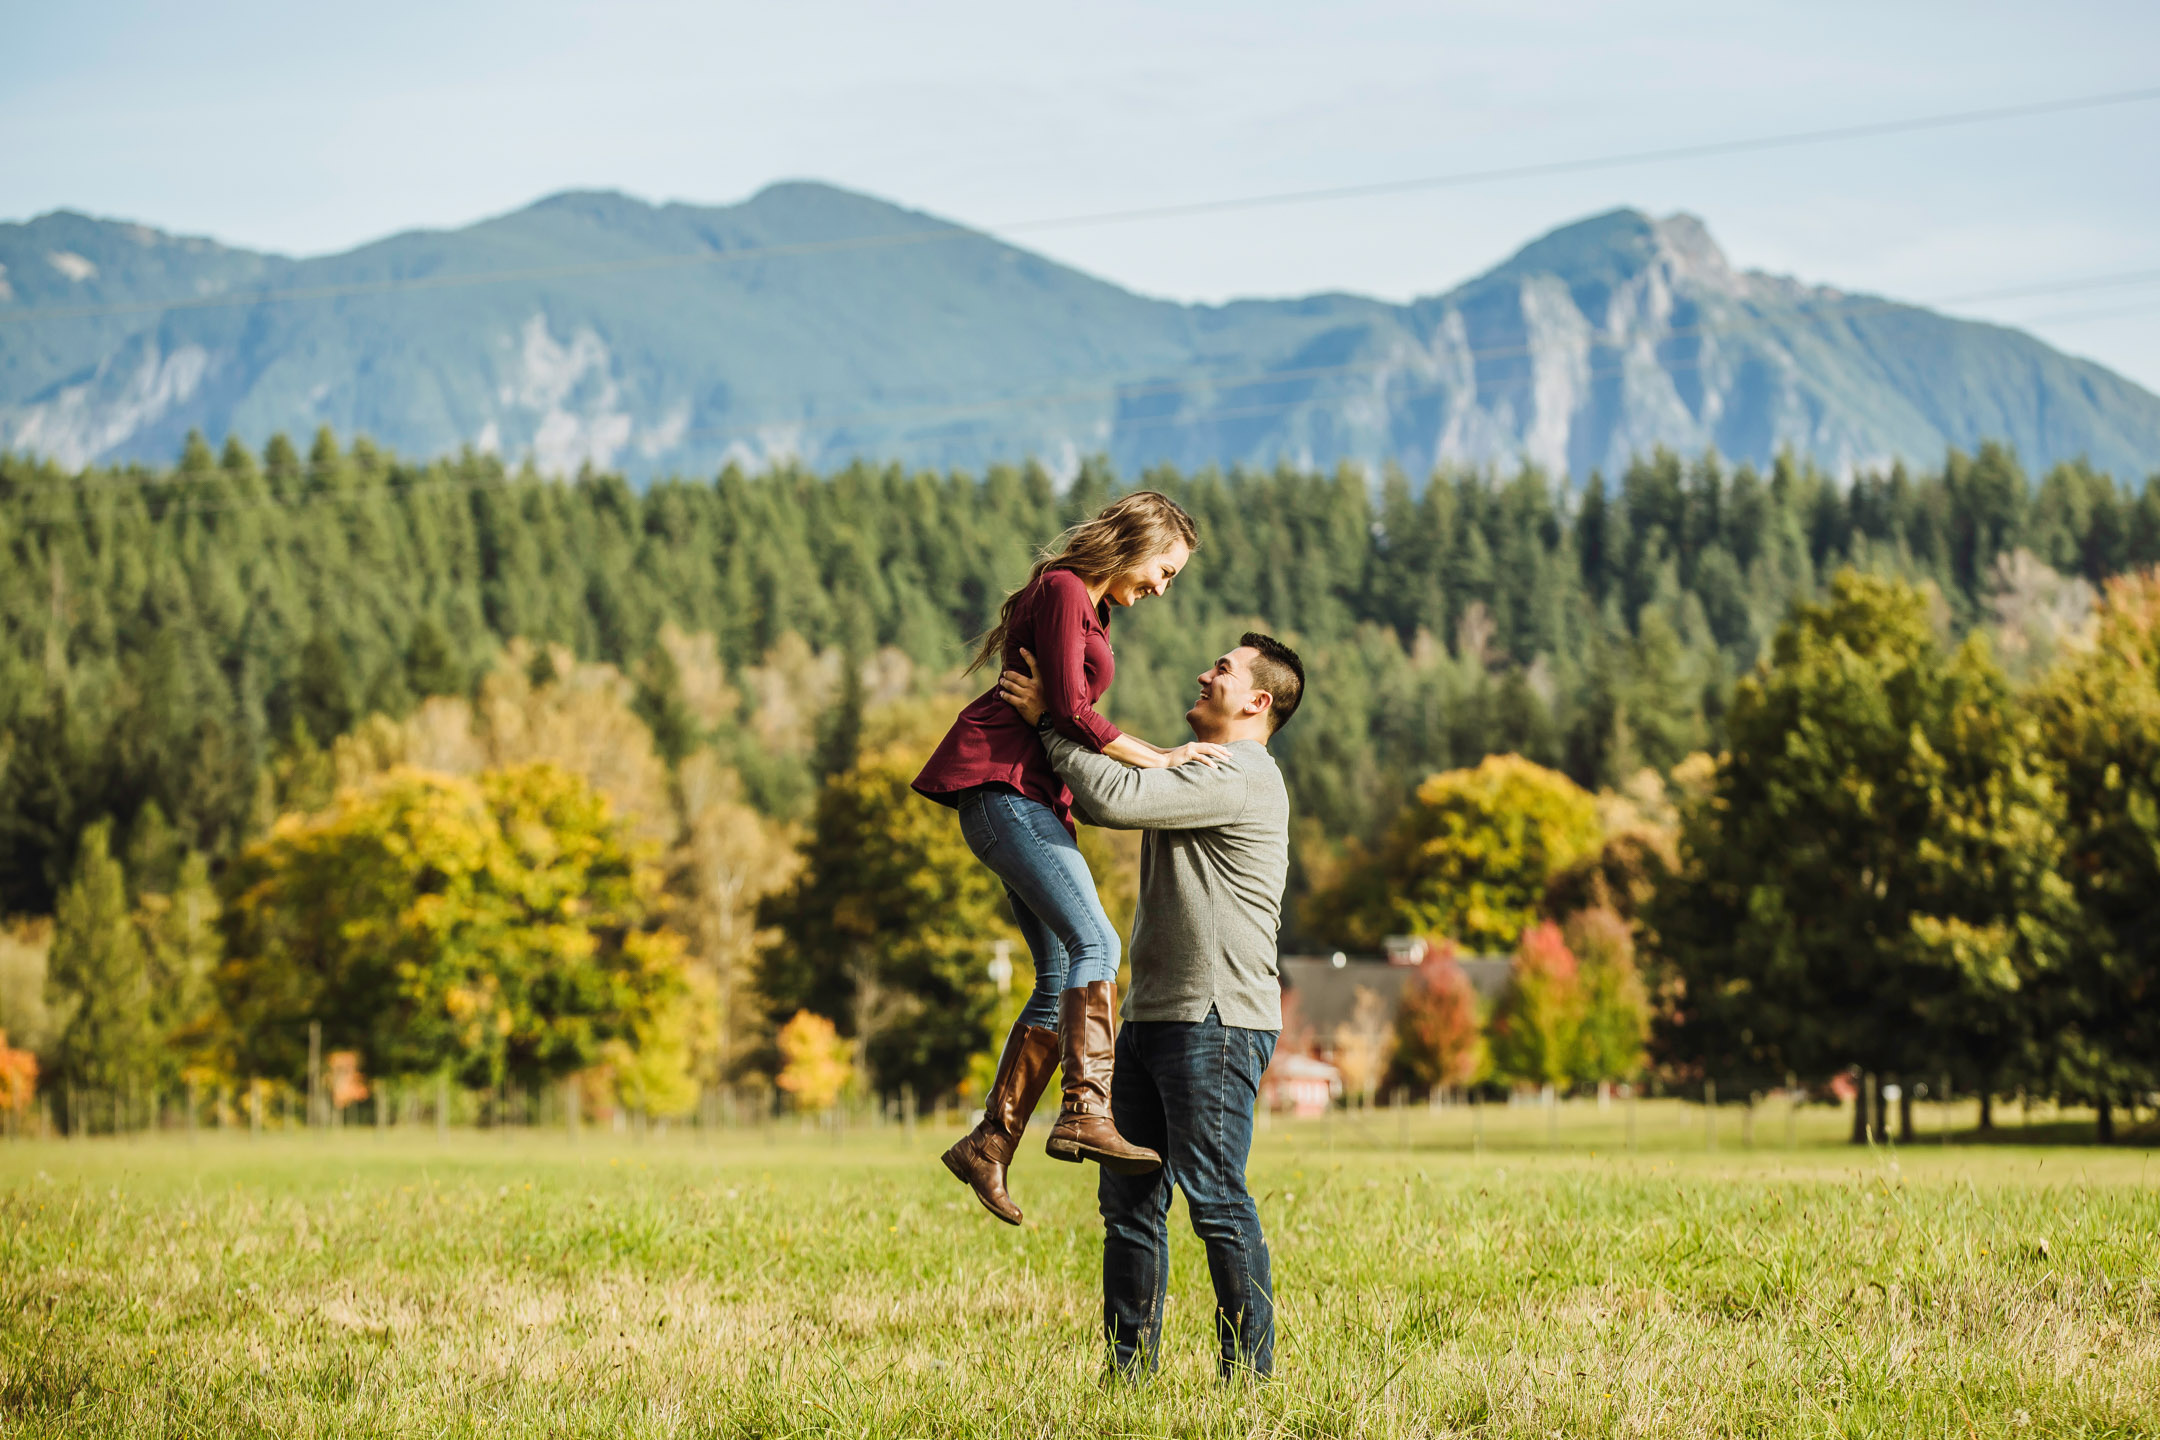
1129 530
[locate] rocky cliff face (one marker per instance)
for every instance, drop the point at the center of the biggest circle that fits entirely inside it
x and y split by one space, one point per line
1621 333
814 323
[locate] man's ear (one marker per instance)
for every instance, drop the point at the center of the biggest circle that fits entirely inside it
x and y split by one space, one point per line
1259 702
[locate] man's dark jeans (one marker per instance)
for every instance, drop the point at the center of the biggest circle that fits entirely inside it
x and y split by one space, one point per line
1188 1091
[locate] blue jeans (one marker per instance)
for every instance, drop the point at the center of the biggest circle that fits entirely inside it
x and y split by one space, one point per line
1052 893
1187 1090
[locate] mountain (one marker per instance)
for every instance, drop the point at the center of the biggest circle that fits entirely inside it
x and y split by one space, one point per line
809 321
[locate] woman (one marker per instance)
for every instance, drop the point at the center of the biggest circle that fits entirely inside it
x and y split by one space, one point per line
1017 816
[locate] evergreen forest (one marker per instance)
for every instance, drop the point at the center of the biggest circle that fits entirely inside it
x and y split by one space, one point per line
195 659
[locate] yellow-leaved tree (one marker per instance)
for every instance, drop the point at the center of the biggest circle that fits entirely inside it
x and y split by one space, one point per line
730 857
722 855
500 929
814 1061
1468 858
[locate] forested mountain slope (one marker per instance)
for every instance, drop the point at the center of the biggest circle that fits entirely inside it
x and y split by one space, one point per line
187 636
811 323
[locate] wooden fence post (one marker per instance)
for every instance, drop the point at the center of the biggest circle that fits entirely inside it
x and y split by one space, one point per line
314 1073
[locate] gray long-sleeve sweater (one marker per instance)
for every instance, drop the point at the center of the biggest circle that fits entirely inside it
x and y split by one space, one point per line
1213 867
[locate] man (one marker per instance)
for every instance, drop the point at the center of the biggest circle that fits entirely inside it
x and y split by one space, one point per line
1205 1007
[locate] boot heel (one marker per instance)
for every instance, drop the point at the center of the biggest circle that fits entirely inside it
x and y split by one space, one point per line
1136 1164
1122 1159
978 1159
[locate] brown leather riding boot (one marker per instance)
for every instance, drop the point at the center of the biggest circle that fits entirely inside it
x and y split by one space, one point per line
1084 1128
979 1157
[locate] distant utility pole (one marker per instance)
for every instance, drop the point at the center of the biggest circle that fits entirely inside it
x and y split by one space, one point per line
314 1073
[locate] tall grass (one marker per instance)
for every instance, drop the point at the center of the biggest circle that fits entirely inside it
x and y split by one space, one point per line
781 1284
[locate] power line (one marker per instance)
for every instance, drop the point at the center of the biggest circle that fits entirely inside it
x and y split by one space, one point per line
1452 180
2079 317
1533 170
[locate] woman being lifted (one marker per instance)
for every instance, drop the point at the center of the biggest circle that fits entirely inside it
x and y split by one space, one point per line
1017 816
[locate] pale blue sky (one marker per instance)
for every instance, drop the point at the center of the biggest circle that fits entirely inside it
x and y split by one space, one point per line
306 128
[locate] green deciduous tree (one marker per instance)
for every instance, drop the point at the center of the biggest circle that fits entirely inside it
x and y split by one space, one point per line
2099 716
25 950
890 927
1874 878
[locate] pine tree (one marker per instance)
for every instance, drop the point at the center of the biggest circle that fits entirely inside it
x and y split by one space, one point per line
323 700
182 944
662 705
431 666
98 977
840 728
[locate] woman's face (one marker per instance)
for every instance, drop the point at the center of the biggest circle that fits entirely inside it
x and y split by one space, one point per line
1151 577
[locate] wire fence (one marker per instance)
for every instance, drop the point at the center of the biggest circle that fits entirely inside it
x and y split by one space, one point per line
1620 1119
271 1107
1714 1118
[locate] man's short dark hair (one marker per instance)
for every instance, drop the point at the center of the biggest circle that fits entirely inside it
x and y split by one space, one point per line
1278 671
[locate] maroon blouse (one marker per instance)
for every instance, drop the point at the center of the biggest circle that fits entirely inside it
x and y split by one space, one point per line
990 744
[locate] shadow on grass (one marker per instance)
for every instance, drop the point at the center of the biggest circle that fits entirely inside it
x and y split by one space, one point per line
2049 1132
44 1380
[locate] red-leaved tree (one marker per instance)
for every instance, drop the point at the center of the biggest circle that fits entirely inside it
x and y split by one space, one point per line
1438 1041
1537 1026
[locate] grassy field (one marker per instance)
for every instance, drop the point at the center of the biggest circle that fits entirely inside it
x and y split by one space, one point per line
1433 1281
